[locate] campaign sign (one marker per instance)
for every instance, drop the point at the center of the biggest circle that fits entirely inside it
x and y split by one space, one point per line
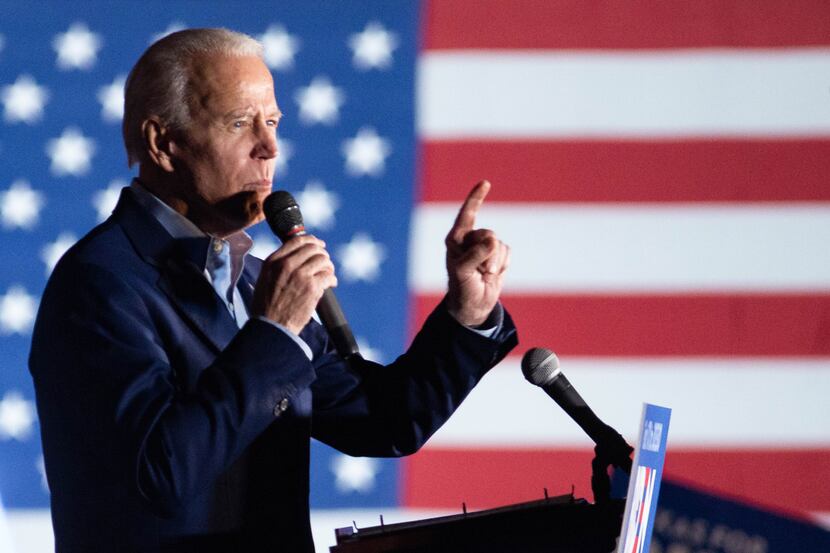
691 520
644 486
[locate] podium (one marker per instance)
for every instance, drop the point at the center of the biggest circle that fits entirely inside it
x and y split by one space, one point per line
561 524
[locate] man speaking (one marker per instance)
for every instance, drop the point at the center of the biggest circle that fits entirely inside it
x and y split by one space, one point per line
179 379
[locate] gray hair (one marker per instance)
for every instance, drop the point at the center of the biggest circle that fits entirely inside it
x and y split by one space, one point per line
158 84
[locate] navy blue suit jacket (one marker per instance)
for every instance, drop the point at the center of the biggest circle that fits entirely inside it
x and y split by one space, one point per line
167 428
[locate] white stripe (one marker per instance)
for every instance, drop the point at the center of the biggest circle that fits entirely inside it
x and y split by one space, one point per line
31 531
743 402
635 248
648 93
6 541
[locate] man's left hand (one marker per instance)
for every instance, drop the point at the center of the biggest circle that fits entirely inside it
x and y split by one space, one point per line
476 262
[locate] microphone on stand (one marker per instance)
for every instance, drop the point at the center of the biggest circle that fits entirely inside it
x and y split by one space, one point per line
540 366
286 221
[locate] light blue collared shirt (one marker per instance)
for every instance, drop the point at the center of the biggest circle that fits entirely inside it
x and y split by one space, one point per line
225 257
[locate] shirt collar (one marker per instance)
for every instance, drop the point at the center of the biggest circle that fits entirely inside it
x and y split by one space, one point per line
197 244
176 224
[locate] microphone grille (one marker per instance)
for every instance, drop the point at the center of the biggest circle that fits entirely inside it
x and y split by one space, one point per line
282 213
540 366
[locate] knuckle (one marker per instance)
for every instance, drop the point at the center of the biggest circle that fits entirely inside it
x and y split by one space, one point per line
311 289
489 236
288 265
304 273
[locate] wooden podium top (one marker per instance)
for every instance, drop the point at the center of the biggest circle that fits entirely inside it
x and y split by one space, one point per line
561 524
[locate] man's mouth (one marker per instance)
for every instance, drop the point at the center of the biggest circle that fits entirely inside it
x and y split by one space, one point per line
257 185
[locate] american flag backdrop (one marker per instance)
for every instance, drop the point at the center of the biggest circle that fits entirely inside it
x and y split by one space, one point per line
661 171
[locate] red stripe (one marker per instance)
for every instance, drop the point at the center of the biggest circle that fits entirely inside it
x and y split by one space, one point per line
630 171
673 325
786 480
538 24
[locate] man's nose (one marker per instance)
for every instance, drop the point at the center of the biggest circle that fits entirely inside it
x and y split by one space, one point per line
266 143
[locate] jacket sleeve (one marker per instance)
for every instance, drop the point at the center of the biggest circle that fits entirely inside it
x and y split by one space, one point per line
374 410
105 387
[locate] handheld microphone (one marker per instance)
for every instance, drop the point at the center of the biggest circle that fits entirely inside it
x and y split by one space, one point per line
540 366
286 221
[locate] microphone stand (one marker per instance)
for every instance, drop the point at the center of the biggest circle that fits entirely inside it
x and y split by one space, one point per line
611 450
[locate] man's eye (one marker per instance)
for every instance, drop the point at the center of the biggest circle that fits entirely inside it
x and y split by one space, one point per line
272 122
239 124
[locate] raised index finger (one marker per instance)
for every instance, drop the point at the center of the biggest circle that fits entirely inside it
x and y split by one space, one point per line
466 218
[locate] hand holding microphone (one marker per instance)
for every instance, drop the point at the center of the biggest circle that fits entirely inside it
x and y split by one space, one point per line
298 277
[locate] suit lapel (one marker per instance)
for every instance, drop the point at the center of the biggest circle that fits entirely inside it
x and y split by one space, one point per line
197 301
180 278
248 280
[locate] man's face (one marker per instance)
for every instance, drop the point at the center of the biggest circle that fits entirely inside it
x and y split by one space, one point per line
226 156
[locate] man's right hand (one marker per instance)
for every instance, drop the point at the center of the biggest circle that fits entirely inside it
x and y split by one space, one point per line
291 282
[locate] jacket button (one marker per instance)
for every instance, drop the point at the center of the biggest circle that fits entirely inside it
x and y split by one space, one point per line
281 407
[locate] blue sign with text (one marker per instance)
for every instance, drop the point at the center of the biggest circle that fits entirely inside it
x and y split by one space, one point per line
644 486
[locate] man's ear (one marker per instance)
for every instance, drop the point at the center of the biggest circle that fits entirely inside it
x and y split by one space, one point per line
159 144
